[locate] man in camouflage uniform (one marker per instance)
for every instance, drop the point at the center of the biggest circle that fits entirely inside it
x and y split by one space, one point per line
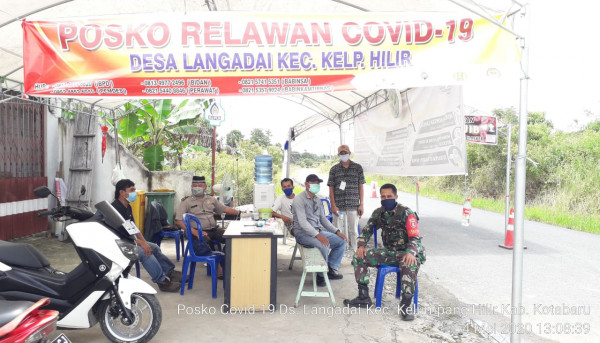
402 246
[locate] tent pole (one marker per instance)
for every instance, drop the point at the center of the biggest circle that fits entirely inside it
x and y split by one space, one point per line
508 166
517 277
214 148
417 193
289 153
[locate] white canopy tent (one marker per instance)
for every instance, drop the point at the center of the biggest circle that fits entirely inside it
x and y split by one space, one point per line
328 107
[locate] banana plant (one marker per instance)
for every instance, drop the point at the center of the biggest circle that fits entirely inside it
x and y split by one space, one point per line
154 129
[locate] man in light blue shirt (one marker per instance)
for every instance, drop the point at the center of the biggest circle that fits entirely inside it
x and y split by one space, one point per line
313 230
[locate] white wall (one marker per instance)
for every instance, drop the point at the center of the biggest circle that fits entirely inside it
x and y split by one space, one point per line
59 148
102 188
180 181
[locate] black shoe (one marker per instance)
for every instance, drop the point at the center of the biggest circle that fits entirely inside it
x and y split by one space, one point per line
167 285
176 276
407 310
362 300
321 281
332 274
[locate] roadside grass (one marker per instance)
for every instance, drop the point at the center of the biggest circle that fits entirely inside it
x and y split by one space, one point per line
541 213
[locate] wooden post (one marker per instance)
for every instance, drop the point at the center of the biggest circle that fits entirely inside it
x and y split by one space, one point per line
214 148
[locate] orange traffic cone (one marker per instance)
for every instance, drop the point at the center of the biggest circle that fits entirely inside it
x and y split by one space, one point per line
374 194
509 236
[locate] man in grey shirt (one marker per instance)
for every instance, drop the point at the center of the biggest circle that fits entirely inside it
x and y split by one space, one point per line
313 230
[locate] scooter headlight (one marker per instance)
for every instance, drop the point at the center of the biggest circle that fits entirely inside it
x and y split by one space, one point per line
128 249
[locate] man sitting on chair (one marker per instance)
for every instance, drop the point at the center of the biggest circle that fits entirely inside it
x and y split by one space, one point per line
160 268
313 230
402 246
284 203
204 207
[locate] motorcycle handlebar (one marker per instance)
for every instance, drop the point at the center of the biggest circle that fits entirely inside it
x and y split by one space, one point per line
73 212
45 213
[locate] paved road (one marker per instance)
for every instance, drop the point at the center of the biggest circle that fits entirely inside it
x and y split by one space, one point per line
560 269
561 274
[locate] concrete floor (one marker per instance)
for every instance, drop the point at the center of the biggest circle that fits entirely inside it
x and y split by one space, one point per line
315 320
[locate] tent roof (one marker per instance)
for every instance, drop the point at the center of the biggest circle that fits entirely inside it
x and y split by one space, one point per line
330 105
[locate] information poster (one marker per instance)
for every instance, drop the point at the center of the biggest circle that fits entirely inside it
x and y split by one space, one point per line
419 132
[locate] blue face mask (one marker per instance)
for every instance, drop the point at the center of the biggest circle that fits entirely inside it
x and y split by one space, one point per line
132 196
288 191
314 188
388 204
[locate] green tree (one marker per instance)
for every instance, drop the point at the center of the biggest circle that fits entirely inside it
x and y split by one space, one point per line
234 137
260 137
240 166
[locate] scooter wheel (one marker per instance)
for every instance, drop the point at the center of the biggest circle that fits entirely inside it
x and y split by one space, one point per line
147 317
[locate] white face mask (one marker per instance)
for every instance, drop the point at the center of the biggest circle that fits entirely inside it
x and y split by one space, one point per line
197 191
344 158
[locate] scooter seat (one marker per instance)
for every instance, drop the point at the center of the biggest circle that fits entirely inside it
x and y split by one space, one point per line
11 309
22 255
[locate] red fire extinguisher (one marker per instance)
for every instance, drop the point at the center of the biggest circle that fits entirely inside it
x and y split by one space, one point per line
104 134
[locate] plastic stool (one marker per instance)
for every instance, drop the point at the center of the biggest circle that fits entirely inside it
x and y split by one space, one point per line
382 271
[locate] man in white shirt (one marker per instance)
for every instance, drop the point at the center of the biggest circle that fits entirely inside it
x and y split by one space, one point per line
283 203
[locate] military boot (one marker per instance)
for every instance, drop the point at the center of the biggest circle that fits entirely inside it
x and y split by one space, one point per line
362 300
407 311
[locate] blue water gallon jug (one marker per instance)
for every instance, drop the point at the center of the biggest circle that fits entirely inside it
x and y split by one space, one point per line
263 169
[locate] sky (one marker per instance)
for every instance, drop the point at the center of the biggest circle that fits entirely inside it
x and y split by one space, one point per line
564 72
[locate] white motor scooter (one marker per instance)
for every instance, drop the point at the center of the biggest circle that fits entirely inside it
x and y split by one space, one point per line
100 289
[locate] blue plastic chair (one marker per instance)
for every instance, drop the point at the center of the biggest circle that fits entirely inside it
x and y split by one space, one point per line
177 235
216 247
327 209
191 258
329 214
382 271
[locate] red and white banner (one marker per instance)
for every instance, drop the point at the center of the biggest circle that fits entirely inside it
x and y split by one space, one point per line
481 129
236 53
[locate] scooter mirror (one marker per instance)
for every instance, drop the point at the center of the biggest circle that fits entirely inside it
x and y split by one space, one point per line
42 192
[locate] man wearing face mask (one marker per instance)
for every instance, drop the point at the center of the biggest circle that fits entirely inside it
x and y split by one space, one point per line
203 206
313 230
345 183
283 203
160 268
401 246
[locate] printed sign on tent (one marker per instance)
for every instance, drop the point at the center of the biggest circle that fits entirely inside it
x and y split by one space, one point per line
419 132
236 53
